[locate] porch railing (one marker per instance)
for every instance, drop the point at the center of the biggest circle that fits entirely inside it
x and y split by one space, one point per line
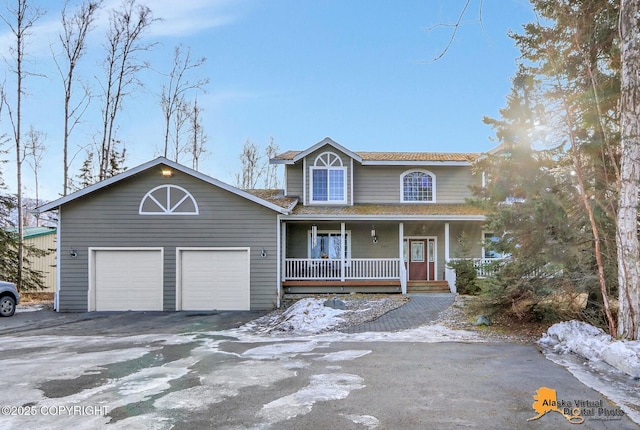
485 267
331 269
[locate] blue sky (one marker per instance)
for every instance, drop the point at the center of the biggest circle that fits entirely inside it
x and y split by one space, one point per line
358 71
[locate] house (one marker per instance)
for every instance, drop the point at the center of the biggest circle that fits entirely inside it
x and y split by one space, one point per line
399 215
161 236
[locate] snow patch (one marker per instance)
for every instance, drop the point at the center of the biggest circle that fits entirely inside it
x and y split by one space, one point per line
334 386
368 421
594 345
305 316
347 354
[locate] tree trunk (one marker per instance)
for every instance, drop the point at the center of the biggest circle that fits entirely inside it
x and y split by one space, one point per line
627 219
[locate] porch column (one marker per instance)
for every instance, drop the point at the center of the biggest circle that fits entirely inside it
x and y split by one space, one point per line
343 251
403 273
281 243
446 242
449 274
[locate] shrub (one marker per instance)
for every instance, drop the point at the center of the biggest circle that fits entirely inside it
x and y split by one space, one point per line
466 276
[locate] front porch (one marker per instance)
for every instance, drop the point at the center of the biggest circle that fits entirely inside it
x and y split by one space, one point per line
385 257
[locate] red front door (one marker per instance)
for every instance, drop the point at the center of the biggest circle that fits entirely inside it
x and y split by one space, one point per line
421 259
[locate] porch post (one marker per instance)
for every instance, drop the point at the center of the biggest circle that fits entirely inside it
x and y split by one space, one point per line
403 273
280 255
449 274
342 251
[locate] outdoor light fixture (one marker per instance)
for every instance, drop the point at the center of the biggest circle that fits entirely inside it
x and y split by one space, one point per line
374 235
263 253
73 253
167 173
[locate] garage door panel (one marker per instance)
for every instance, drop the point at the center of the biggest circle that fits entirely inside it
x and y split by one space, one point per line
214 279
128 280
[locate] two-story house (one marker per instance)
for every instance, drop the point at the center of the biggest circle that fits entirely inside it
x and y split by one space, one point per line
161 236
375 221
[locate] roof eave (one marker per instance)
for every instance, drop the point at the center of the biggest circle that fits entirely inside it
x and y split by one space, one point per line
327 217
158 161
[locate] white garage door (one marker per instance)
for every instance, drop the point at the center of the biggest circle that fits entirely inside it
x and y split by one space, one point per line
127 279
213 279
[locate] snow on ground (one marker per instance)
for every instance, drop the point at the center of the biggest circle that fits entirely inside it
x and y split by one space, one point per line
306 316
595 345
612 367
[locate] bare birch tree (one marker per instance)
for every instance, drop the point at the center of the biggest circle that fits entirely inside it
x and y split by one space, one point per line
122 64
75 28
198 137
173 97
33 154
271 170
627 217
251 166
20 21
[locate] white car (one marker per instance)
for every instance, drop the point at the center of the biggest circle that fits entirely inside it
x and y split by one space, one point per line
9 298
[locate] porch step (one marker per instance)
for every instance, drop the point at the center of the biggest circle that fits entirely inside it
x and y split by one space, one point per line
418 287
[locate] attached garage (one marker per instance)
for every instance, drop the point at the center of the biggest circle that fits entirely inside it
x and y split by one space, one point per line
163 237
213 279
128 279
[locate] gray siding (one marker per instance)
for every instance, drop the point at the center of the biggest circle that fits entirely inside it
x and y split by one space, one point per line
109 218
294 180
381 184
362 245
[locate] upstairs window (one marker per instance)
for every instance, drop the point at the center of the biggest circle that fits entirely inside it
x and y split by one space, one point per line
418 186
328 179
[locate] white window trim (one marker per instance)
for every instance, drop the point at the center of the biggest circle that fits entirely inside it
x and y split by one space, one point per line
335 163
347 234
162 209
433 187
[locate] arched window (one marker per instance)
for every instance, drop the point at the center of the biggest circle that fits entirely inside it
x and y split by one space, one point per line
168 200
328 179
418 186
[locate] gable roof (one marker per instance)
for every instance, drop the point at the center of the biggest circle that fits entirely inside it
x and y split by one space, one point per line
299 155
383 158
283 207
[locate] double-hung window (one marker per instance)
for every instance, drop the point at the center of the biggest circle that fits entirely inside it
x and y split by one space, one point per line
418 186
328 179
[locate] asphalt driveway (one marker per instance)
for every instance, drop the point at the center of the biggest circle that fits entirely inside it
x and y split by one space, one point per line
194 370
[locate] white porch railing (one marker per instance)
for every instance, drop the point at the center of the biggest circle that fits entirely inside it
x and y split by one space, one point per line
485 267
331 269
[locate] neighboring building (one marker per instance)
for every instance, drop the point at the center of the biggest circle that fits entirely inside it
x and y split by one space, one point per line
164 237
43 238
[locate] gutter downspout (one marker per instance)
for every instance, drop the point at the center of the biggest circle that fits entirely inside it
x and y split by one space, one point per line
56 295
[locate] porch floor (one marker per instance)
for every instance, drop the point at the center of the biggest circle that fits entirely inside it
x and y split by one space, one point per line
363 286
